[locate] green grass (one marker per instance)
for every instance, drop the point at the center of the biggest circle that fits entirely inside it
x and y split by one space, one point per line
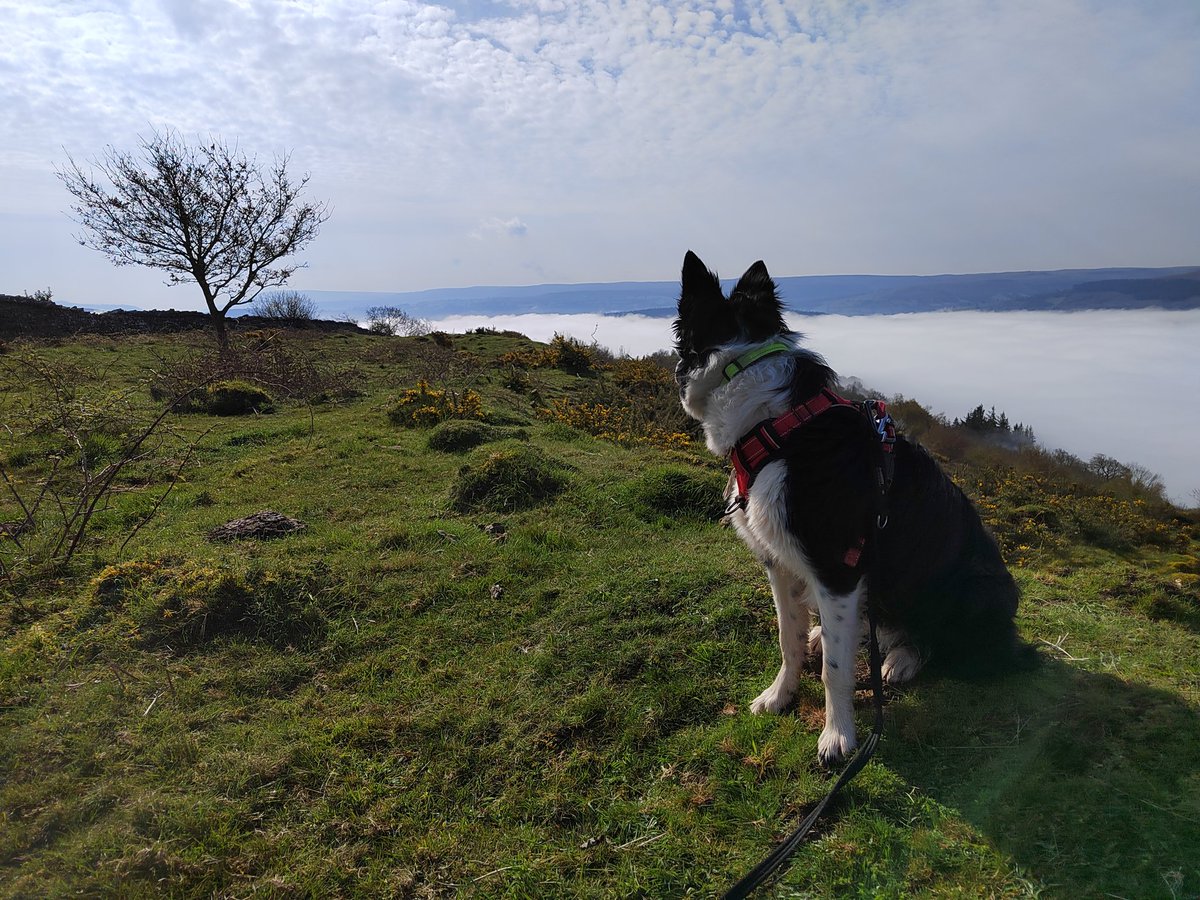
394 702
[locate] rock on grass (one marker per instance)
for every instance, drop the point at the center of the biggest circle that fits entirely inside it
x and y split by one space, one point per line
265 524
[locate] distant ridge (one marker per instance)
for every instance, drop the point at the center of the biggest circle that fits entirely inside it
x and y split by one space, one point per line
850 295
26 317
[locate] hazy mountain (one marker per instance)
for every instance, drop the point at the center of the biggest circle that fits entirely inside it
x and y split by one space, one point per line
853 295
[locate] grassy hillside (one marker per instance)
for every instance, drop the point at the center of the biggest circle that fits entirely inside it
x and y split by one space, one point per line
512 654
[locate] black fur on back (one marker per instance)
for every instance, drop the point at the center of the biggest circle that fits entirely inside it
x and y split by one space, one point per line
943 580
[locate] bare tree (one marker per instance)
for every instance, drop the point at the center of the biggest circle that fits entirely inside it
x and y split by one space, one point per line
204 213
292 307
392 320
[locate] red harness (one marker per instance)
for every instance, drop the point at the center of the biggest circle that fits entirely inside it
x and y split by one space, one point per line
768 441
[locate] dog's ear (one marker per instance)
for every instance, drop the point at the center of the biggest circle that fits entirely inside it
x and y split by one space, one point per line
702 305
756 300
700 287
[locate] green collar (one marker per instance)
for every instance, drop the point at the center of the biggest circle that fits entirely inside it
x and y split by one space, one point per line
750 357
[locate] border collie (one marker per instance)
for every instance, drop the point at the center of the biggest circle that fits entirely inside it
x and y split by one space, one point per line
947 597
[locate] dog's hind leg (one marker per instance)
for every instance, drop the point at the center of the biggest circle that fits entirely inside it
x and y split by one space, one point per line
839 645
901 660
789 593
814 642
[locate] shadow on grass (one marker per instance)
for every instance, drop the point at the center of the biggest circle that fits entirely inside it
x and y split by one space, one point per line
1091 784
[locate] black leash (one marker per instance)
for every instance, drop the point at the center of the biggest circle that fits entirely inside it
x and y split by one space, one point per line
781 854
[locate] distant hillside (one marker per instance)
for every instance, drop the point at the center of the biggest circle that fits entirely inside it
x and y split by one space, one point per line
851 295
1180 291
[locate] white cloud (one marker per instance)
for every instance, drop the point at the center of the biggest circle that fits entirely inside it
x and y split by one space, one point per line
513 227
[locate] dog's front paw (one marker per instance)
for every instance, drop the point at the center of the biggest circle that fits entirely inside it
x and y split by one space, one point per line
834 746
774 699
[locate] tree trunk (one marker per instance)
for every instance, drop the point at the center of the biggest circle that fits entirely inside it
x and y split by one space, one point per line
222 333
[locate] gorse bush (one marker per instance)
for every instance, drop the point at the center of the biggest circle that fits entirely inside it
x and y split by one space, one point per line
1029 512
647 389
574 356
423 406
643 378
620 425
566 353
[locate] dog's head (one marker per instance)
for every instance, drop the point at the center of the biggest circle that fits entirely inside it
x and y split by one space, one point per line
710 324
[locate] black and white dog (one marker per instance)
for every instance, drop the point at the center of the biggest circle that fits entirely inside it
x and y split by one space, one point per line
809 513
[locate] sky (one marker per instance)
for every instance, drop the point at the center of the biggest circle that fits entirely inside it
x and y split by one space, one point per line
533 141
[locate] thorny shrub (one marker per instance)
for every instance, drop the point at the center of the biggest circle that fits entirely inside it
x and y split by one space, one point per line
566 353
627 401
266 359
67 444
1032 512
620 425
423 406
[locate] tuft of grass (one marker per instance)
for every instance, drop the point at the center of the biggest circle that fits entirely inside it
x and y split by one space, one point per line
183 604
513 478
236 398
678 492
458 436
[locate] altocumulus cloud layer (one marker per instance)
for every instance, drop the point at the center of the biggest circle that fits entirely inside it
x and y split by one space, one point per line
543 140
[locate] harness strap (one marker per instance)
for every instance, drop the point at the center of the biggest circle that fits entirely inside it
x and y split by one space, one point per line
768 440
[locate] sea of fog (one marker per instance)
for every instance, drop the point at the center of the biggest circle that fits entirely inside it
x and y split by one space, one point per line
1124 383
